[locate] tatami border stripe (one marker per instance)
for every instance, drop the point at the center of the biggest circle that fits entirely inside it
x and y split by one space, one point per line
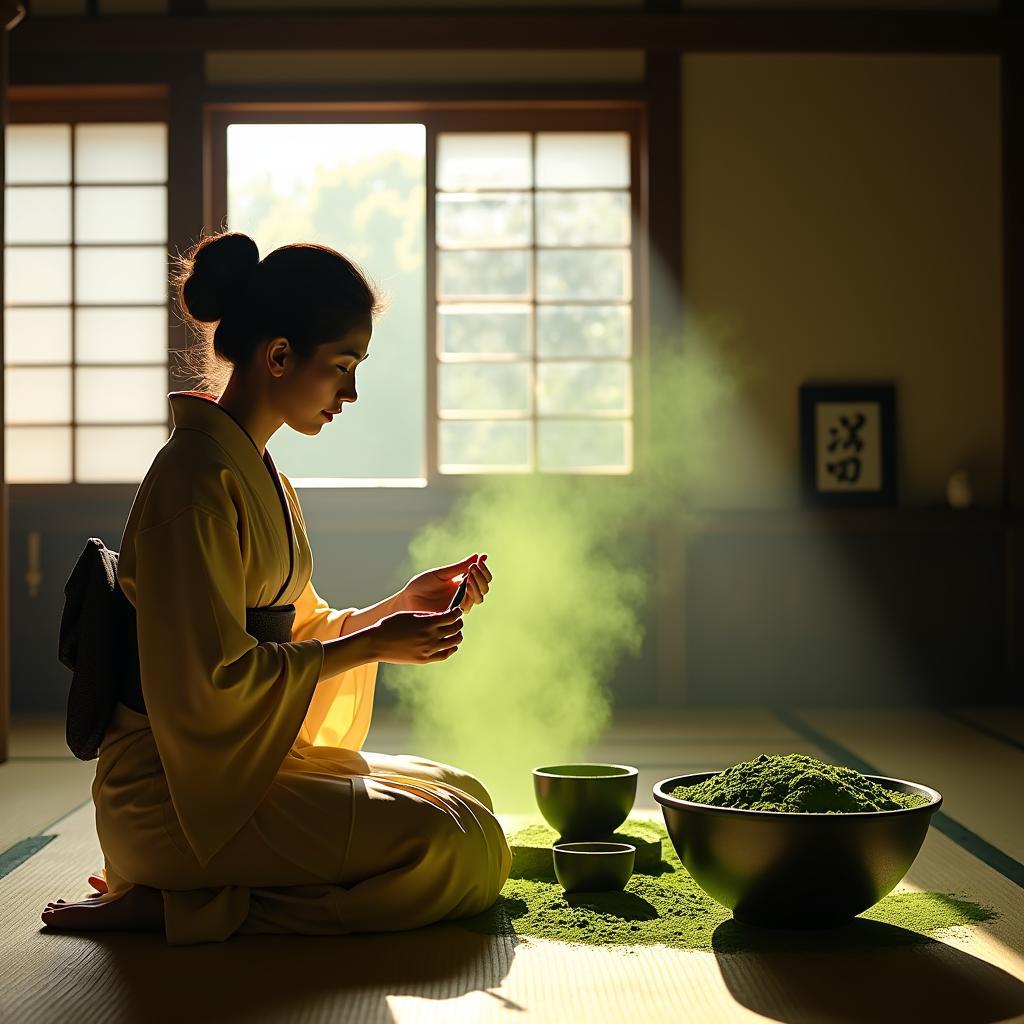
17 854
985 730
1006 865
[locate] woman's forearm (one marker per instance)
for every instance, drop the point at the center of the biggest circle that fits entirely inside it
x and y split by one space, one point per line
349 651
370 616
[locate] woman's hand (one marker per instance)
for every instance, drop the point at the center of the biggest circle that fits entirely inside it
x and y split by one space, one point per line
433 590
416 638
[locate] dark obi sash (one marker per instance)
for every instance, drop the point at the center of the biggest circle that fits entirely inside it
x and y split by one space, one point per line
99 643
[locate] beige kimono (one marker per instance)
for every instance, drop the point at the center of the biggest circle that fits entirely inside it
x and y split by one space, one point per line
243 793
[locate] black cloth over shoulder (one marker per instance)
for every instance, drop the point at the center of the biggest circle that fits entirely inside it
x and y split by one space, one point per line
99 642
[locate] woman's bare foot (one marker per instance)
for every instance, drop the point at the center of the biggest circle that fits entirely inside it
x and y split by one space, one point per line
139 909
98 882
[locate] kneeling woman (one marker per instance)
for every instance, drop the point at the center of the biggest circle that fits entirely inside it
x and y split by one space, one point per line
241 800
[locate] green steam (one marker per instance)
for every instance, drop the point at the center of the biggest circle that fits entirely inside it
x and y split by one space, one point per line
573 567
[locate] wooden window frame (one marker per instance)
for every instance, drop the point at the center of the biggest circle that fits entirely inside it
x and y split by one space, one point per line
467 116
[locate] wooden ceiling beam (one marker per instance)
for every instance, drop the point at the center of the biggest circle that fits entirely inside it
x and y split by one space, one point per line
791 31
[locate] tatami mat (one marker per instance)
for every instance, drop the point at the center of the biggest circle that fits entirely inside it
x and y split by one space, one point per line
978 776
444 973
41 780
1005 723
35 793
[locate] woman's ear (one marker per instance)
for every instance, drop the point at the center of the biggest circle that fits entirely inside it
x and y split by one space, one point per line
278 351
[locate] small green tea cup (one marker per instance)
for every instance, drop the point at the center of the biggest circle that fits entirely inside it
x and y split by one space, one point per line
585 801
593 867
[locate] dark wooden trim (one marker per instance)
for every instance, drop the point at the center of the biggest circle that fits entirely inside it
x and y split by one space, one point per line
186 162
431 430
429 97
881 32
1013 263
83 102
663 300
452 115
94 70
103 93
1012 89
5 561
665 183
641 288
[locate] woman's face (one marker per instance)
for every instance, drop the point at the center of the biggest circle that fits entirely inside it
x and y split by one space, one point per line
326 381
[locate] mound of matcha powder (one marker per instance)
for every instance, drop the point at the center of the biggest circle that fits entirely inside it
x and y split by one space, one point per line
670 908
795 782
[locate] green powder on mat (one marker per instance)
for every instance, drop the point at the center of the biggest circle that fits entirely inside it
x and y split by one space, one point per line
795 782
637 828
533 834
670 908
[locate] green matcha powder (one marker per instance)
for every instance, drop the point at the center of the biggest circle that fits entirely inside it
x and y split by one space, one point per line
795 782
670 908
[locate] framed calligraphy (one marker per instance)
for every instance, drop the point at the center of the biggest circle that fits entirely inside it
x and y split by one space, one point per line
848 444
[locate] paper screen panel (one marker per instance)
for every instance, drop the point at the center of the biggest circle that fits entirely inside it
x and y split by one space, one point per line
583 160
109 153
37 214
583 274
37 394
493 329
583 218
37 455
37 275
38 154
112 275
583 331
123 394
127 214
492 220
491 446
580 388
37 335
488 388
474 160
127 335
476 272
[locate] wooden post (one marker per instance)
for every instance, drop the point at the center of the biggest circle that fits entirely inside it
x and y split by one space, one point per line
1013 364
665 281
186 162
11 14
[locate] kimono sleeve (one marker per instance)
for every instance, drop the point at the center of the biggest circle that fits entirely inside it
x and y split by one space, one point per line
314 617
342 705
224 708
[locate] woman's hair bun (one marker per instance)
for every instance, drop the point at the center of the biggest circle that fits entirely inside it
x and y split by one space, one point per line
216 273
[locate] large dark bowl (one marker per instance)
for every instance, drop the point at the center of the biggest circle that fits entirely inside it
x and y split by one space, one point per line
795 870
585 801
